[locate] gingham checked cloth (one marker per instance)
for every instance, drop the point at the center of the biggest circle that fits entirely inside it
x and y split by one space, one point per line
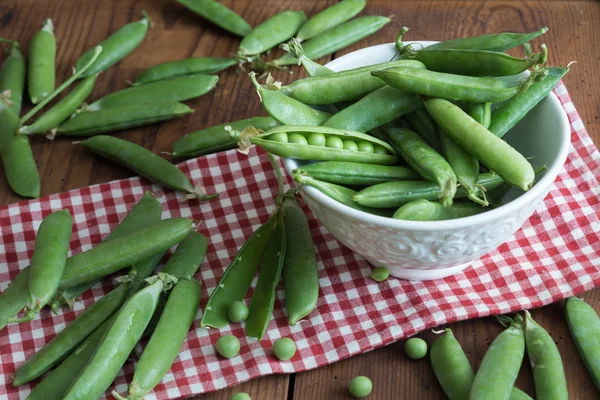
554 255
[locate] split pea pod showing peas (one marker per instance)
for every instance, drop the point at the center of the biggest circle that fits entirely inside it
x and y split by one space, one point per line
330 18
396 194
425 210
348 85
219 15
42 54
277 29
67 340
584 325
482 144
263 299
217 138
14 297
112 256
145 163
356 174
238 277
546 363
12 76
181 88
338 38
168 337
115 47
500 365
300 271
187 66
492 42
188 256
325 144
284 109
121 337
121 117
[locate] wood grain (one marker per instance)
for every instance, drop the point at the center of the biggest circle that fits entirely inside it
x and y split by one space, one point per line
178 33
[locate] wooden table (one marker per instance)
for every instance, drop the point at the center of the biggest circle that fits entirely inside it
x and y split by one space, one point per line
177 33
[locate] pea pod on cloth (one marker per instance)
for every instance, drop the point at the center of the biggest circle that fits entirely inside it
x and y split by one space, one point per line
12 76
238 277
112 256
187 66
330 17
584 326
188 256
491 42
495 153
116 47
109 120
119 340
145 163
321 144
217 138
425 210
275 30
219 15
169 90
356 174
14 297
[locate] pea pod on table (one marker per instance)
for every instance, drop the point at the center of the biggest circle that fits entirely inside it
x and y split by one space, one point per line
188 256
329 18
187 66
491 42
145 163
14 297
219 15
425 210
356 174
12 76
42 54
312 68
584 326
275 30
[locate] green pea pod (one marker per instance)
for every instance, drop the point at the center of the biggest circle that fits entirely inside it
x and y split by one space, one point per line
74 334
495 153
330 17
55 385
584 326
348 85
62 109
217 138
284 109
339 193
17 158
42 54
480 112
116 47
275 30
300 270
48 261
426 127
145 163
12 77
169 90
396 194
546 363
142 270
492 42
375 109
344 145
188 256
167 339
187 66
14 297
425 210
112 256
219 15
338 38
355 174
425 160
237 278
500 365
295 50
162 301
122 117
118 341
508 113
263 299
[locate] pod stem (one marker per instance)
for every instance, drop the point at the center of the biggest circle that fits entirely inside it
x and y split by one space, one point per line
473 195
62 87
280 189
294 49
11 42
244 137
48 26
536 58
117 396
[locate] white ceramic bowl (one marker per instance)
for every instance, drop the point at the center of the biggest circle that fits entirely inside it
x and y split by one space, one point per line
431 250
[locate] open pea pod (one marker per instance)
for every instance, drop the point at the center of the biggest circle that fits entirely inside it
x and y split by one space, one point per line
323 144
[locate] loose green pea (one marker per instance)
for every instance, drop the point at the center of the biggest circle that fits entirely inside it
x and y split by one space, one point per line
297 138
380 274
335 142
238 312
366 147
379 149
228 346
415 348
360 386
317 139
279 137
284 348
350 145
240 396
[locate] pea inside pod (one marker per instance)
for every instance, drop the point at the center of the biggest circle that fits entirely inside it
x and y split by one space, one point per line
275 30
187 66
42 54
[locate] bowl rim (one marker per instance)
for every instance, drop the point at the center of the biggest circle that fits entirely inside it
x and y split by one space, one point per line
512 207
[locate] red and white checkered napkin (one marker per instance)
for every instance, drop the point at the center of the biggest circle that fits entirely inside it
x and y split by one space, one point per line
556 254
